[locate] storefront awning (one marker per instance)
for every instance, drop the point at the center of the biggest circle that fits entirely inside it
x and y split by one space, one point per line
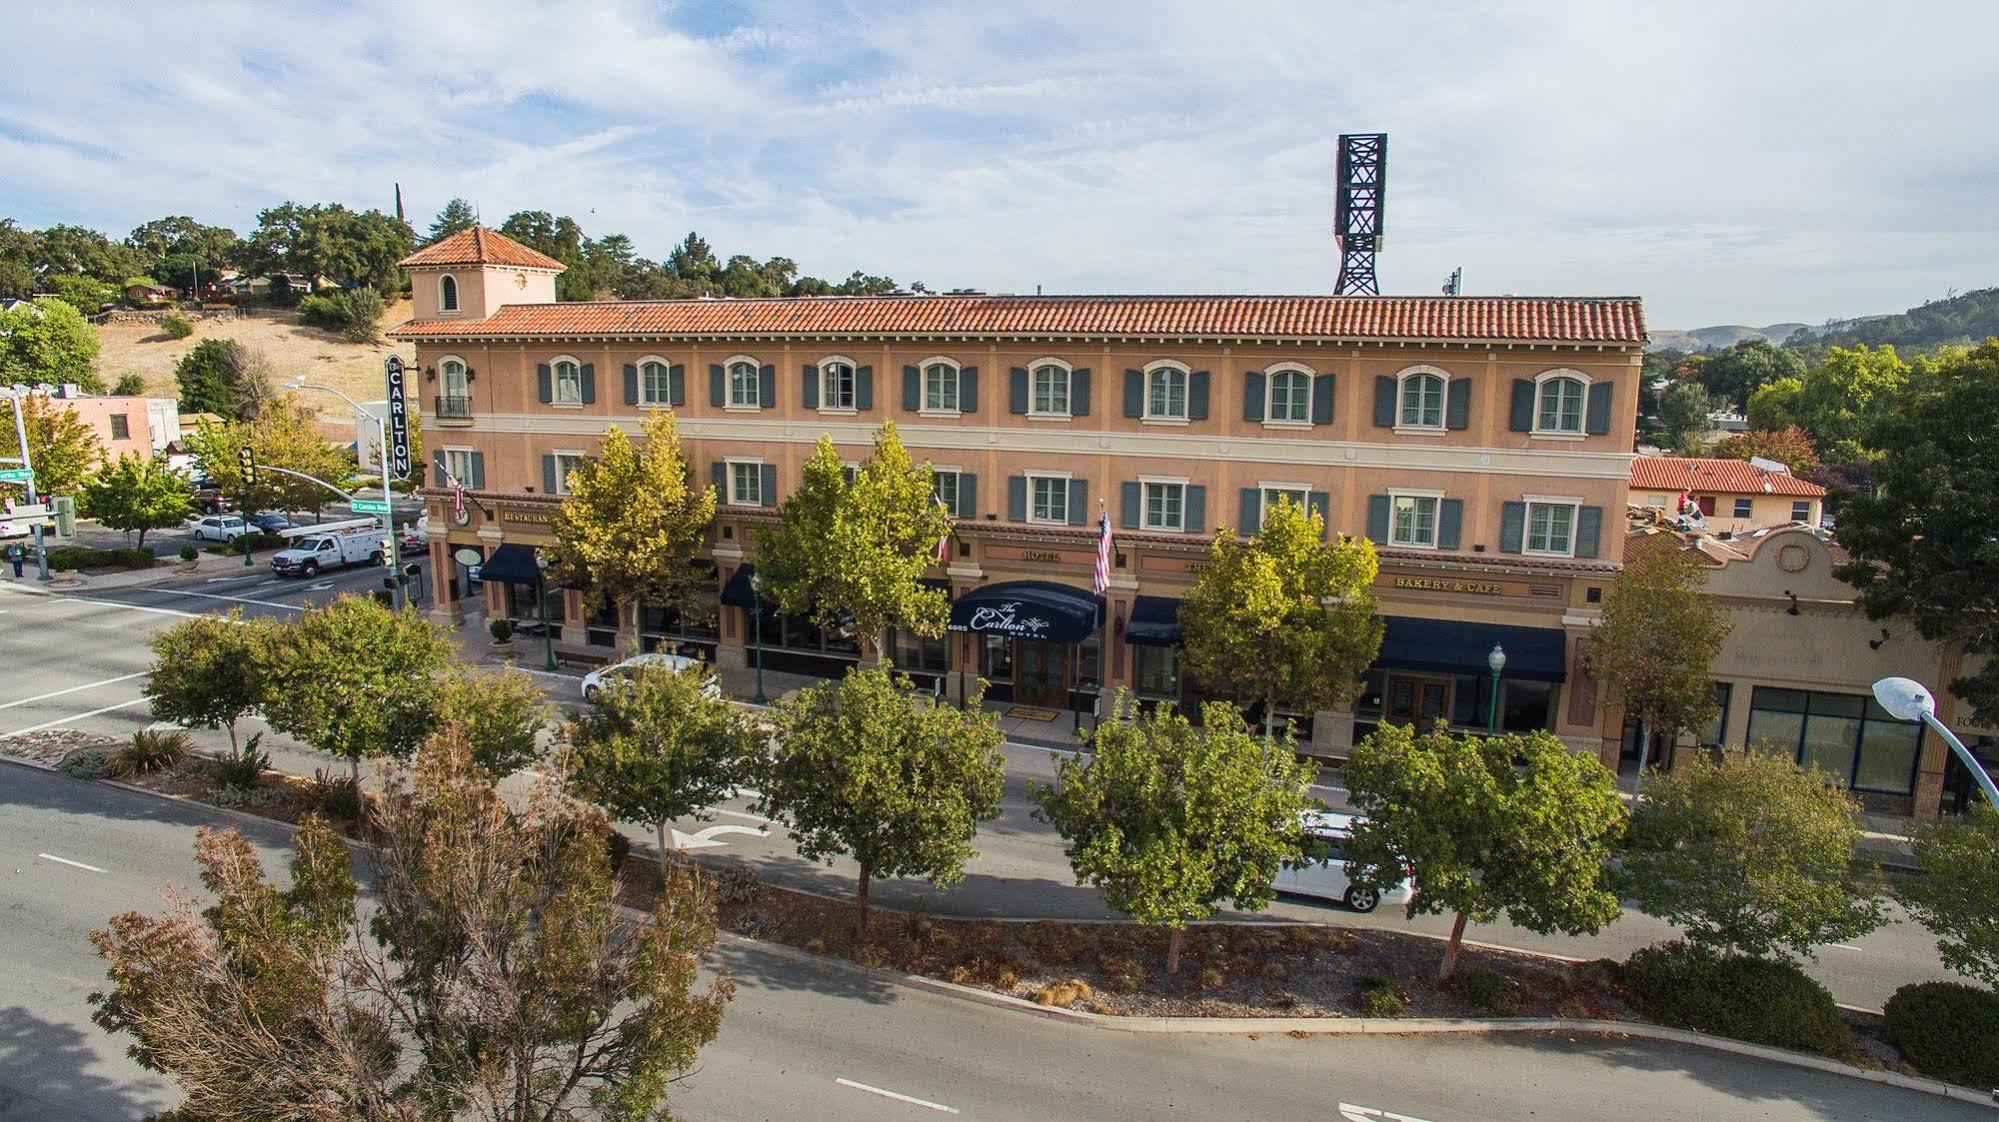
1452 646
1154 622
738 593
1029 609
512 563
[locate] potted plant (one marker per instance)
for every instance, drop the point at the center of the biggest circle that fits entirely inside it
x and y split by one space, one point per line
190 558
503 637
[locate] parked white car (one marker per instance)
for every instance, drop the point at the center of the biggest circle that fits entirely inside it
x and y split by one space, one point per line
1326 878
597 679
217 528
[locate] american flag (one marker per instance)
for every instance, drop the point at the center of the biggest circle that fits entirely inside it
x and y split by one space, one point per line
944 542
457 490
1103 580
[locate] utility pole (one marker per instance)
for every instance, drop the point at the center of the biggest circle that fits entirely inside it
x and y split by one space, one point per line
21 432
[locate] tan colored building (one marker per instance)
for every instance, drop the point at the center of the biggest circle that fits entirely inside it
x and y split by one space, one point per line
1482 442
1732 496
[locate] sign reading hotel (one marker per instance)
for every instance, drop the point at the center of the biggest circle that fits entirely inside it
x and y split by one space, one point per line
1005 619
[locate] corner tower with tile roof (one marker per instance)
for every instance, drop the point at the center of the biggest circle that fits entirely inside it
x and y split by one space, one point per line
474 273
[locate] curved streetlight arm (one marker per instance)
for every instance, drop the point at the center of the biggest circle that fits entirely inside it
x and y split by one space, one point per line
1965 757
307 478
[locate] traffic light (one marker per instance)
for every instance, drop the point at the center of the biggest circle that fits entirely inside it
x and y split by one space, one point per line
64 509
249 461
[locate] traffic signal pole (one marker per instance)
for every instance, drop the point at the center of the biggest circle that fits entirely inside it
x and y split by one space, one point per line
21 432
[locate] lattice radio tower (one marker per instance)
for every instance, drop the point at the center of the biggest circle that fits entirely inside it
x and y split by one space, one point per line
1363 196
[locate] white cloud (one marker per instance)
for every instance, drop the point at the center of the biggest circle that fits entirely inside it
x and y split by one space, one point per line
1729 162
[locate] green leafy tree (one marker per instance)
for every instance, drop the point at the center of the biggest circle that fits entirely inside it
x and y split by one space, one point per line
62 447
865 768
1656 644
1846 395
356 680
1284 615
87 295
499 716
857 550
1774 405
1750 856
1957 897
1168 821
136 493
1684 417
209 672
1515 826
78 251
1921 543
1732 374
355 313
284 434
223 377
492 976
49 341
1790 446
656 747
130 384
360 247
630 526
185 252
457 215
17 261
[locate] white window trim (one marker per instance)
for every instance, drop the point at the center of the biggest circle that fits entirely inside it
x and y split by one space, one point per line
1270 374
465 450
1540 381
756 381
443 383
1145 505
958 477
839 410
1302 490
555 382
457 296
561 476
1065 477
668 403
1527 524
729 480
1443 425
1147 416
923 408
1068 374
1438 522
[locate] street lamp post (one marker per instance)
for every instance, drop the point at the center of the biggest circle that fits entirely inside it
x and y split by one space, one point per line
388 495
757 623
21 431
1906 699
1497 661
541 590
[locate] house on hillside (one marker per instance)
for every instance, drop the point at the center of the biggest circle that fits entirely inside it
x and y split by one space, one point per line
1724 496
148 295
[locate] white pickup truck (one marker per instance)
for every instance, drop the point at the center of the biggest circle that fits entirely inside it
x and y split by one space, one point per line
310 554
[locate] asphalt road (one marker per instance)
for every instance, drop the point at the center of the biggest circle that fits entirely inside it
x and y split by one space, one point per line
78 661
819 1041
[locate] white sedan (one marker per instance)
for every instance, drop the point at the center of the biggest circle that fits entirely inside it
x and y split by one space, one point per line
1326 877
603 676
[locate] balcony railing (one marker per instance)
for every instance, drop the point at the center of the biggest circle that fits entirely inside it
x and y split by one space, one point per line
454 407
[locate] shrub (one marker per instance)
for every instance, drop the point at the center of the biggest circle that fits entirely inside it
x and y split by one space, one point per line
1061 995
617 847
246 798
1753 999
738 884
243 769
502 630
177 326
336 797
129 385
1948 1030
353 312
1489 991
85 763
189 553
1380 996
151 750
84 558
874 956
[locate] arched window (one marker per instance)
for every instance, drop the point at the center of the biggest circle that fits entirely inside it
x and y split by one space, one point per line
940 386
836 376
447 293
1422 402
655 379
1166 393
1559 404
1050 389
568 382
455 384
1290 396
743 388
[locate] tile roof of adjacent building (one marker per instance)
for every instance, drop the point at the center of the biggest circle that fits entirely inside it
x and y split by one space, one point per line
1614 321
1726 477
480 246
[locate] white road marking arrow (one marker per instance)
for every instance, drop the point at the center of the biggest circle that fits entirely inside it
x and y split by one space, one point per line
705 839
1368 1114
319 587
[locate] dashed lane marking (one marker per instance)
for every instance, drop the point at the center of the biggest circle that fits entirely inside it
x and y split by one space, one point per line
67 861
901 1098
74 717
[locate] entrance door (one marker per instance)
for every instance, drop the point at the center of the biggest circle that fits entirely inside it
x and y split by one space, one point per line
1416 701
1041 673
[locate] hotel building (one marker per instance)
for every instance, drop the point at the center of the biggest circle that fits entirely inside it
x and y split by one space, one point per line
1484 445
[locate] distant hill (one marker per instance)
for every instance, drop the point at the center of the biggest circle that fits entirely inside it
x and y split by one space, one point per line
1967 318
1713 338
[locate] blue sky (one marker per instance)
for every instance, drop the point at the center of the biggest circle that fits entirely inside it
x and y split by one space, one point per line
1739 162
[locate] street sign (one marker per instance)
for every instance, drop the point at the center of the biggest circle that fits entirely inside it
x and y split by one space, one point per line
399 419
17 475
370 506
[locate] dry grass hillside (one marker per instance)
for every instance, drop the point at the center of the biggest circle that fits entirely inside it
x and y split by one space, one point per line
293 349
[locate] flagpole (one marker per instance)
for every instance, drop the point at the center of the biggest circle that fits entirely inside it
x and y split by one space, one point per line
1104 628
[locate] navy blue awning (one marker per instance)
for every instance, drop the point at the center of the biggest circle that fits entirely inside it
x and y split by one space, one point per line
738 593
1451 646
512 563
1029 609
1154 622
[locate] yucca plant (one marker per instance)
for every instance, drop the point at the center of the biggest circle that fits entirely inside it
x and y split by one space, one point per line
151 750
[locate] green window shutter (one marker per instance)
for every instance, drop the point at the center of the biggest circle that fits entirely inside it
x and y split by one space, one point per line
1079 393
1197 396
589 383
1377 517
1250 516
808 385
1321 504
968 389
1450 522
1589 529
1520 416
676 384
1457 403
912 388
864 388
1016 498
548 480
544 379
478 481
1016 390
719 473
768 484
1131 504
968 495
766 386
1134 393
1596 417
1512 527
1196 510
1079 501
1384 401
718 389
631 384
1323 388
1252 396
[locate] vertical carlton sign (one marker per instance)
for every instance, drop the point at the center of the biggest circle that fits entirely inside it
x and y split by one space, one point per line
399 420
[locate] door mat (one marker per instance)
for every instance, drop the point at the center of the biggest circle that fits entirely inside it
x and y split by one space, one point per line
1032 714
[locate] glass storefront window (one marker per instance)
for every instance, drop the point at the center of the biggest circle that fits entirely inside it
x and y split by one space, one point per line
996 658
1157 671
1710 736
1845 735
914 652
1526 706
1088 655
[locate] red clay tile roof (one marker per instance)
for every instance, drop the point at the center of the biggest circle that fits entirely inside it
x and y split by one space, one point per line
1617 321
1726 477
480 246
